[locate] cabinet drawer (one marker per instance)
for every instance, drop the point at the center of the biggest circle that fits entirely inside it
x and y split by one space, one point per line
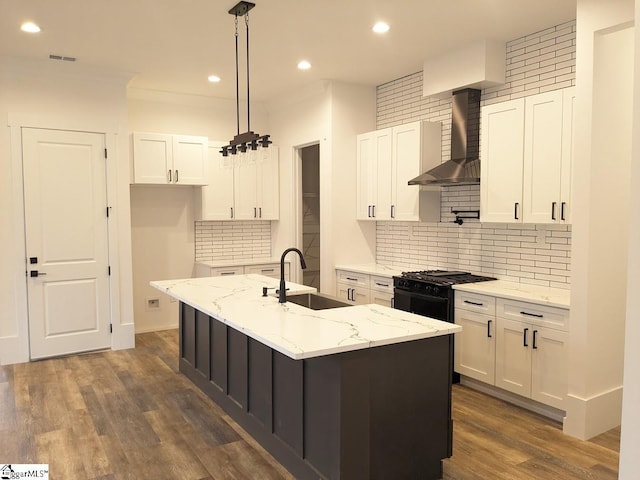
541 315
223 271
382 284
475 302
268 269
353 278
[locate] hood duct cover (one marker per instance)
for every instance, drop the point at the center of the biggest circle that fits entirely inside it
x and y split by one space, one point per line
464 166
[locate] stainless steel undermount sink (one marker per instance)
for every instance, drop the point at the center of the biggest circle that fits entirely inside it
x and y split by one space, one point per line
316 301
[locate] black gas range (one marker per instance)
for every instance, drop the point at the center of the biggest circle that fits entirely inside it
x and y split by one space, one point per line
429 292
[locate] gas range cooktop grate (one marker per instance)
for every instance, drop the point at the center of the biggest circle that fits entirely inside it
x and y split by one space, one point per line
443 277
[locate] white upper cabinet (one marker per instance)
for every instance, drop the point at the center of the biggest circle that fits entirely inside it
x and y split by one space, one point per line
387 160
215 201
526 151
169 159
566 169
190 160
241 187
542 157
501 151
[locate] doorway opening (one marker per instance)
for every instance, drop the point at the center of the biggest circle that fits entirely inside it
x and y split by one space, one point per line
310 201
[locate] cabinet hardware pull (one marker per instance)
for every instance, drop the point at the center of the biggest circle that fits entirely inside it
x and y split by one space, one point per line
373 211
255 212
515 210
524 338
267 270
352 279
169 172
382 284
562 205
393 211
393 302
369 211
474 303
177 176
553 210
535 332
231 213
489 329
260 211
222 274
532 314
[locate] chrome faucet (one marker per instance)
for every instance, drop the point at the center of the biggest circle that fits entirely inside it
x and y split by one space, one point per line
282 293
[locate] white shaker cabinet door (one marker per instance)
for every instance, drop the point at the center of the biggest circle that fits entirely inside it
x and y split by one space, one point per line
152 158
216 202
475 346
268 183
513 356
190 159
549 378
502 148
566 169
405 204
542 157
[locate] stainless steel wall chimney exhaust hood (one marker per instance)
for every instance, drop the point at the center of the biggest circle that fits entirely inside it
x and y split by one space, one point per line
464 166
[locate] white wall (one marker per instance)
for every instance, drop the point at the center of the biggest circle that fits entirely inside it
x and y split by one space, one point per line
330 114
630 437
600 235
40 94
162 217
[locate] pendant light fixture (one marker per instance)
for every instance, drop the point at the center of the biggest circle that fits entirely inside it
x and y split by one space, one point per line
247 140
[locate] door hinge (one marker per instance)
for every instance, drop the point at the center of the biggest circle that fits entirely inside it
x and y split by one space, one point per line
109 270
111 328
105 153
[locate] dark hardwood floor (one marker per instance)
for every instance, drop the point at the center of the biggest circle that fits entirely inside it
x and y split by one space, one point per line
130 415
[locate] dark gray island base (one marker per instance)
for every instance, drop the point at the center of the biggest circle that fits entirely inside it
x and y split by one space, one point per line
376 413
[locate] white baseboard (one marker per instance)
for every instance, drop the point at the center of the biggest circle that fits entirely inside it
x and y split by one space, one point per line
588 417
157 329
13 350
526 403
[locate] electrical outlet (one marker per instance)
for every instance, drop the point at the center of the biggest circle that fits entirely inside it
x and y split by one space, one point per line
153 303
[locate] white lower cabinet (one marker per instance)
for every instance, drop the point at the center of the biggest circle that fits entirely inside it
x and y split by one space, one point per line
531 359
518 346
266 269
475 346
352 287
361 288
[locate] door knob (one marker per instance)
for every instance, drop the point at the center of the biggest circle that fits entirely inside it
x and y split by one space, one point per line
35 273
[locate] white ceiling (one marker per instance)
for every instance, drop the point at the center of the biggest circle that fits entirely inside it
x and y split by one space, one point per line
173 45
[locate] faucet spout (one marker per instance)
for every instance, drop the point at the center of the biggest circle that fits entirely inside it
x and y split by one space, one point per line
282 293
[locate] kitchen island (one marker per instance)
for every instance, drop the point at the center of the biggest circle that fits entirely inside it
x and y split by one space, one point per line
345 393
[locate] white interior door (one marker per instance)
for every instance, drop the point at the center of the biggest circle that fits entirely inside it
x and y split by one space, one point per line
66 241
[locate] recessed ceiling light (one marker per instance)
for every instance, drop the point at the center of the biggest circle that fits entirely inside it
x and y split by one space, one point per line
29 27
213 78
381 27
304 65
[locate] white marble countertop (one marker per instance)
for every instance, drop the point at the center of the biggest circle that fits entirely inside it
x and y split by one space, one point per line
371 269
241 262
293 330
553 297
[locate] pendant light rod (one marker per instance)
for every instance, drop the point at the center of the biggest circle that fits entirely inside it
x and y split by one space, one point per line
246 24
247 140
237 83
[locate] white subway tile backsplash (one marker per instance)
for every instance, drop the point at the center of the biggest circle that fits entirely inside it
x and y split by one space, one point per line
232 240
527 253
